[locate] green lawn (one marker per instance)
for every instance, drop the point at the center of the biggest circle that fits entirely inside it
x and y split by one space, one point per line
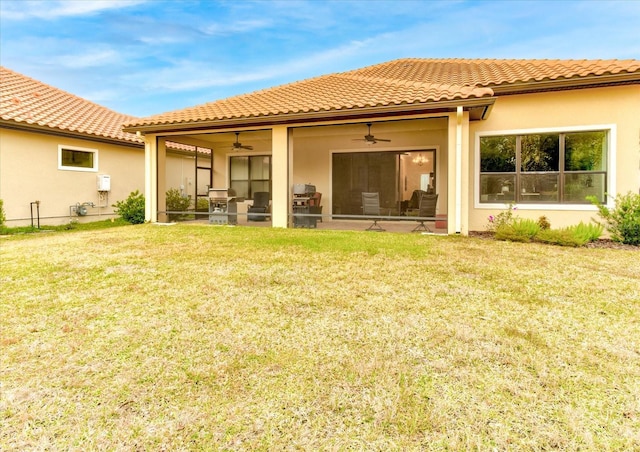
198 337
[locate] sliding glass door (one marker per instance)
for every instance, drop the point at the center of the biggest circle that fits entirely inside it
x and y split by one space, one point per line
393 175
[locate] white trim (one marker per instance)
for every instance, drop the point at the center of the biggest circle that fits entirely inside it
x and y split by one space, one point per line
76 168
611 166
583 128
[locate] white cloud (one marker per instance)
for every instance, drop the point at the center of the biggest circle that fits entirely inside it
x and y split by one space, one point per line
49 10
90 58
101 96
241 26
187 75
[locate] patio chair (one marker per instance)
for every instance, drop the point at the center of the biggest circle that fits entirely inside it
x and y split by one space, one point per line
371 206
314 203
427 209
259 208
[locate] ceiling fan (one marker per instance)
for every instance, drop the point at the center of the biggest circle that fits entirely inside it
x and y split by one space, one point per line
370 139
237 145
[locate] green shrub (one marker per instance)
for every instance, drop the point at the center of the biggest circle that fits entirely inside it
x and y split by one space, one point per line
589 232
506 232
178 203
562 237
132 208
519 230
623 221
577 235
202 205
3 216
526 227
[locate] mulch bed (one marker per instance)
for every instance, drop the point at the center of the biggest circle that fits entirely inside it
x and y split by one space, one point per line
601 243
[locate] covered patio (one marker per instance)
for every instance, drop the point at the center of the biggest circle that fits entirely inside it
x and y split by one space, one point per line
396 159
397 142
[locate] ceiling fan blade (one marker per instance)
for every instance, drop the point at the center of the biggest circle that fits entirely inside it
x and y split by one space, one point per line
237 145
371 139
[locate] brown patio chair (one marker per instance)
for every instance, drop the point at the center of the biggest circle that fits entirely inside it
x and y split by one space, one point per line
314 203
427 209
371 206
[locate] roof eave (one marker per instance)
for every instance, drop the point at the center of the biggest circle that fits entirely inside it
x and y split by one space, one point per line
482 103
594 81
36 128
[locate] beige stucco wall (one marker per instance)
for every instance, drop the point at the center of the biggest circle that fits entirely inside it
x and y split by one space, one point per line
618 106
29 172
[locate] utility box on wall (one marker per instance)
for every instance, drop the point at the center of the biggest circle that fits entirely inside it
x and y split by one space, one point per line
104 182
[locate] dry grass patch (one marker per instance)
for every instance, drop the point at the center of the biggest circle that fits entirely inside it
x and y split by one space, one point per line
213 338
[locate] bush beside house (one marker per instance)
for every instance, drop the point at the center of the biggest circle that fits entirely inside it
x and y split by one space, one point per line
623 221
132 208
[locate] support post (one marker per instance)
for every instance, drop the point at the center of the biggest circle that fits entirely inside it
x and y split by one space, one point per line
150 179
280 177
161 180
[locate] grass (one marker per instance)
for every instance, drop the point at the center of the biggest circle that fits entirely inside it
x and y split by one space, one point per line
198 337
71 226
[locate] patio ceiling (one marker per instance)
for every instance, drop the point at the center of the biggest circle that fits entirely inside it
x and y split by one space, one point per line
260 139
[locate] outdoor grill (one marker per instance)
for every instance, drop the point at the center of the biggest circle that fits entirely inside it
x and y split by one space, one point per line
223 207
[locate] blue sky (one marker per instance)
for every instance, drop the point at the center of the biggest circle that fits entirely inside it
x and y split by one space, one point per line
143 57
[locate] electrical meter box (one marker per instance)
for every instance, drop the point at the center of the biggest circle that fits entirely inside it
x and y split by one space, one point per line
104 182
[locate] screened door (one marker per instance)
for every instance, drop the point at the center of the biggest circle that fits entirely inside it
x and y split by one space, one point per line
355 173
396 176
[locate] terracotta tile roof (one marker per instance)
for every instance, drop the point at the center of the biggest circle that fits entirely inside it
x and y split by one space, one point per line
30 102
398 82
493 73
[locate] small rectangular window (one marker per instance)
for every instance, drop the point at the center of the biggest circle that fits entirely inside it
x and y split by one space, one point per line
77 159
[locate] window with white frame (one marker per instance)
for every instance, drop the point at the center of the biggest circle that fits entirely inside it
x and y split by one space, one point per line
77 159
544 168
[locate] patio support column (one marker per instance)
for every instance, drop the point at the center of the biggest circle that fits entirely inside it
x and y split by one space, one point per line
465 175
458 197
161 180
280 176
150 180
458 166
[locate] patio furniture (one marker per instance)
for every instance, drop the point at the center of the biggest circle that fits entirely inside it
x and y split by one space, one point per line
411 207
371 206
260 208
314 204
427 209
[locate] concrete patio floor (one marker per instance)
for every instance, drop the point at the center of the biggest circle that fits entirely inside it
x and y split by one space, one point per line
404 225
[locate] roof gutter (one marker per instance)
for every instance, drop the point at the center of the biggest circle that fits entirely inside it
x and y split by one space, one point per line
595 81
317 116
